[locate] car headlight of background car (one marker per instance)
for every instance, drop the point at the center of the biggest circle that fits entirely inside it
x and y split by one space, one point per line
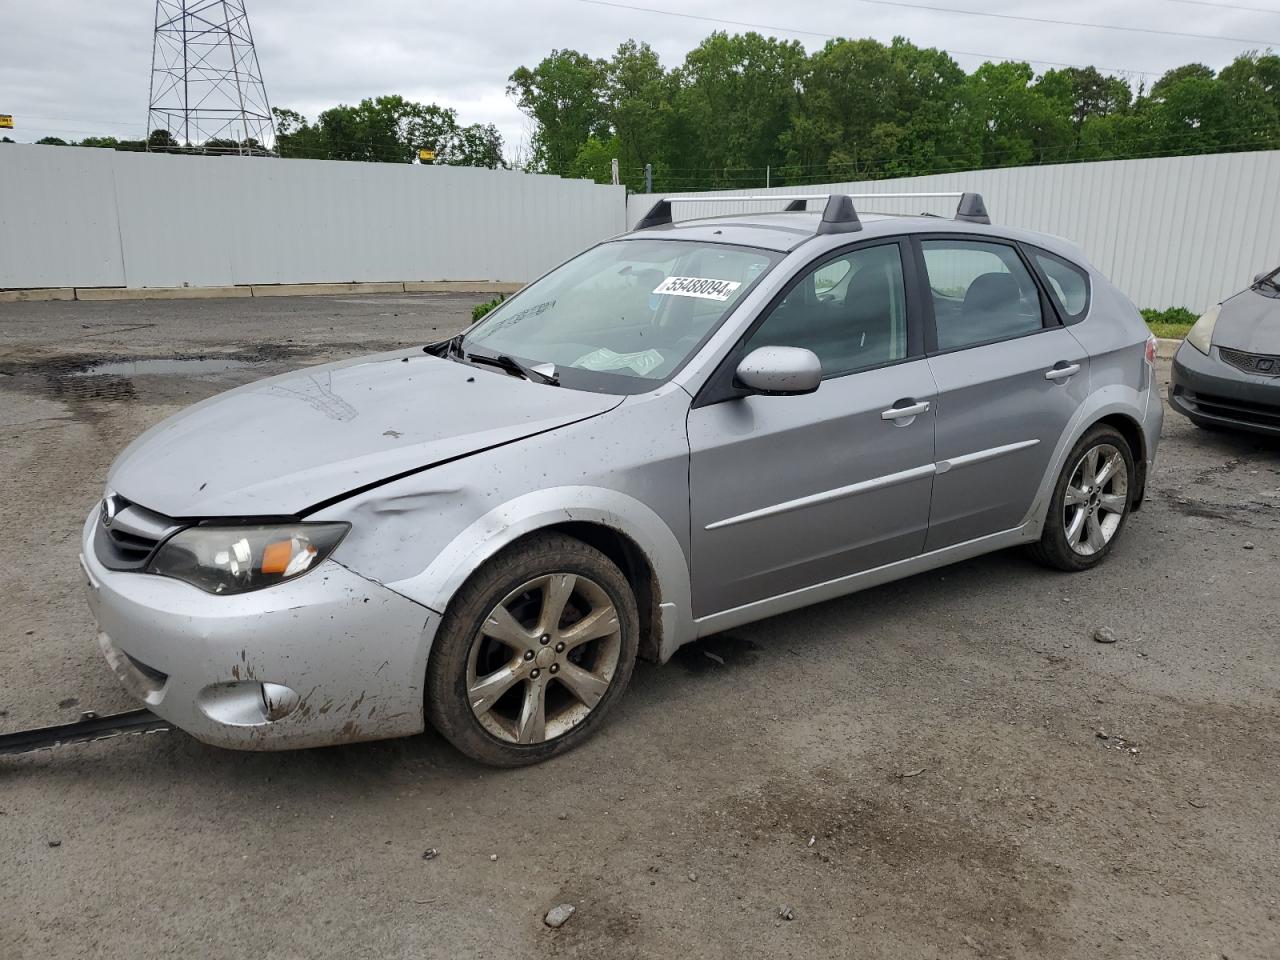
1201 335
237 558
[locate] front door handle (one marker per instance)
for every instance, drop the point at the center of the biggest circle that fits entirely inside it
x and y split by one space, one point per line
905 413
1061 371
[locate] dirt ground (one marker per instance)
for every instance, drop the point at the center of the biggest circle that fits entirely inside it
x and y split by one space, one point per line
948 766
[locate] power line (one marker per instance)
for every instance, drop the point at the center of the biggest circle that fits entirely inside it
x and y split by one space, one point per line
1065 23
1229 6
833 36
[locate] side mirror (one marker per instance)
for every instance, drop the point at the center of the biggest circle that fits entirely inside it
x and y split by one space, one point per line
780 371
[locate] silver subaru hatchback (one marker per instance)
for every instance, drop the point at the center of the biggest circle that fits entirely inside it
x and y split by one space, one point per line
693 426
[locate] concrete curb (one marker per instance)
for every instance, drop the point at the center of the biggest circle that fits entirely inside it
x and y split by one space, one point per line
160 293
461 286
44 293
1166 347
258 290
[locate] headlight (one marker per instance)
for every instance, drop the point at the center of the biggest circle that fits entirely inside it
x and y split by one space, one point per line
1201 335
237 558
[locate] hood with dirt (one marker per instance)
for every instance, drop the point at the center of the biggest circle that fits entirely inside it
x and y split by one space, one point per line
286 444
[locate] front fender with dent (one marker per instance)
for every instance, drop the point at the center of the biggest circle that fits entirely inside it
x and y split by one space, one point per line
539 509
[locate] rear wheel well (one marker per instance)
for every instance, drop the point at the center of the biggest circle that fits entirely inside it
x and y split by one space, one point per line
1132 433
635 566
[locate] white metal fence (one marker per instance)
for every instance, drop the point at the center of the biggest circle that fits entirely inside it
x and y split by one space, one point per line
1175 231
1182 231
71 216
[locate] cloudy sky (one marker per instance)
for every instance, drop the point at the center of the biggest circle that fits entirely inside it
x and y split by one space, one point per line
74 68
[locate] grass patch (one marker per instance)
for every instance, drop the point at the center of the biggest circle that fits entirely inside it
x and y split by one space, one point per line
1173 323
480 309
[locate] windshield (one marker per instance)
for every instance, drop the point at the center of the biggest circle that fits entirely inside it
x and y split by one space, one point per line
625 315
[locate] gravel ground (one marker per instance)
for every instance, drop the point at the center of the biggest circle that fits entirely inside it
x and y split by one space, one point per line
948 766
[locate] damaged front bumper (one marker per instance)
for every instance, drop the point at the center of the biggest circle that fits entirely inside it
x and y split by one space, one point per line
327 658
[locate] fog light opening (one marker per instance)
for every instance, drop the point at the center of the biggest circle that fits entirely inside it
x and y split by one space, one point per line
278 701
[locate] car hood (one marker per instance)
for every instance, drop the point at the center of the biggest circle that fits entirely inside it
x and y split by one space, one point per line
288 443
1249 321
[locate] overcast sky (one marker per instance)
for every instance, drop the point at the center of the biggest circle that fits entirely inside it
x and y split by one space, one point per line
74 68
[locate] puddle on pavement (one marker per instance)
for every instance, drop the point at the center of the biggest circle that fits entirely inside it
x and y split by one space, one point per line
76 379
160 366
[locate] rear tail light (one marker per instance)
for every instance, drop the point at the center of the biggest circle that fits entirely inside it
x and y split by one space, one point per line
1151 350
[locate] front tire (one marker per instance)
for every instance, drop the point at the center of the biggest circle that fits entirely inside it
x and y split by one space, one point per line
1091 502
533 652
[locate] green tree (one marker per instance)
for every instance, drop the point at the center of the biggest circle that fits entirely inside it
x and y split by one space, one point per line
477 145
733 98
1015 122
595 160
297 138
162 141
388 129
53 141
565 96
637 95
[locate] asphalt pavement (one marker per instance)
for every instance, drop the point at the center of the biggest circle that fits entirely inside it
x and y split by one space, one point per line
948 766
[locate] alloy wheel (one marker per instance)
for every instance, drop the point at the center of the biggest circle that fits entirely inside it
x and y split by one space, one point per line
543 658
1096 499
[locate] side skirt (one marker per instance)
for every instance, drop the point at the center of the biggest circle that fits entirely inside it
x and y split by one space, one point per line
830 589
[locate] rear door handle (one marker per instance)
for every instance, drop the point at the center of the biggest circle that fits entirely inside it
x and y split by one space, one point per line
1061 371
903 413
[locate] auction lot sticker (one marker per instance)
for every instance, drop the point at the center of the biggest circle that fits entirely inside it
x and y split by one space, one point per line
702 287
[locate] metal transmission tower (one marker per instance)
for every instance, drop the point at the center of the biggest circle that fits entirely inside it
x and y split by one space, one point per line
207 93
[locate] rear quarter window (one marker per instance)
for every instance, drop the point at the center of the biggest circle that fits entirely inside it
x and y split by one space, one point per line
1067 283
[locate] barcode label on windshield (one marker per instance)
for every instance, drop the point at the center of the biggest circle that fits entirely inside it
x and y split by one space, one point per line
702 287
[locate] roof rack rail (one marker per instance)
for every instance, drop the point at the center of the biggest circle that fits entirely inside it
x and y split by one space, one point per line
839 215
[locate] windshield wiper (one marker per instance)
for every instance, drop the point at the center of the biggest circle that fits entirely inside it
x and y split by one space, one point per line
512 365
446 348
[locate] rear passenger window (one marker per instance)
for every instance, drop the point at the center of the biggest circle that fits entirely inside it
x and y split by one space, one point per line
850 311
981 292
1068 284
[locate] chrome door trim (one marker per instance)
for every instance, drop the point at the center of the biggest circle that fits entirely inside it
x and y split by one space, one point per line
794 600
853 489
979 456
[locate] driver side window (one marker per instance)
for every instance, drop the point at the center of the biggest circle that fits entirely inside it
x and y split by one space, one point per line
850 311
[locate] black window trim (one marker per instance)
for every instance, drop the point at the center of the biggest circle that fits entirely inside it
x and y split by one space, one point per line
720 386
1049 318
1066 319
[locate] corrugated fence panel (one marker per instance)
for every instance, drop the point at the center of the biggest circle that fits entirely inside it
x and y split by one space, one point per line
71 216
1172 231
1179 231
57 210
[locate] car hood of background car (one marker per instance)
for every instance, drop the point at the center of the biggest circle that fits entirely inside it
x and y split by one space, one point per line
1249 321
282 445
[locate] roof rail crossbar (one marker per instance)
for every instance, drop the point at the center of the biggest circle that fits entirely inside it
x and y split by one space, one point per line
971 209
658 214
839 215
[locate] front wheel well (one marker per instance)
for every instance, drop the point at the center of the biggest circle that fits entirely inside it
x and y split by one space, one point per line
1131 430
635 566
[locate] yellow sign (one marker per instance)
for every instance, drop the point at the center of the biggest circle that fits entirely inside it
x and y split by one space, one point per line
426 156
6 120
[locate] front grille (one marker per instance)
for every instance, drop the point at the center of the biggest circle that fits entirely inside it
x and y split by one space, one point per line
1266 365
1243 411
126 535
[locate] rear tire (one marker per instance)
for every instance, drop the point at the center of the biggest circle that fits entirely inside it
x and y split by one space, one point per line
1086 517
533 652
